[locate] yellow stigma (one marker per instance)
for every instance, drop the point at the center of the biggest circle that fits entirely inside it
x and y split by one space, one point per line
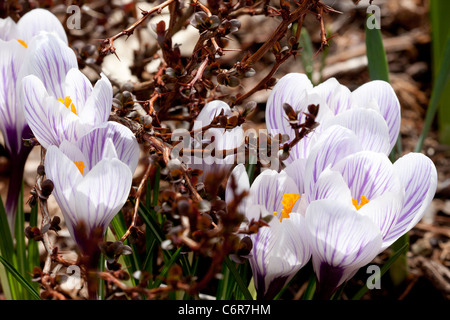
80 166
363 202
22 43
68 103
288 202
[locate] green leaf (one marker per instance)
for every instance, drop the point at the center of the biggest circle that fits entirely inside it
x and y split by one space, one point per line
25 284
166 268
383 270
311 288
237 277
438 89
21 251
376 55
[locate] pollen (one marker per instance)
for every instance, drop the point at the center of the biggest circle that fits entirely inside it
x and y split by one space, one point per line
363 202
22 43
288 202
69 104
80 166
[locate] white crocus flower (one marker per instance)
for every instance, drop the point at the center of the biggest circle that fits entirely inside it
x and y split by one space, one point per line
280 250
357 203
92 177
373 107
62 104
15 45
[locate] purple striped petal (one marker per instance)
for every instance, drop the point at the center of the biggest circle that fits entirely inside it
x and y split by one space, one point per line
291 89
330 185
384 211
368 125
341 241
102 193
336 95
382 93
332 145
296 170
38 20
98 105
64 124
279 252
50 59
65 176
36 110
12 119
92 144
418 176
368 174
268 190
78 87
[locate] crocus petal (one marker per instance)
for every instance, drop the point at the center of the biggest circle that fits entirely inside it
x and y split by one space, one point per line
38 20
279 251
336 95
49 58
368 174
78 88
241 183
291 89
418 175
64 124
330 185
387 101
384 211
102 193
296 170
209 112
341 241
268 190
65 176
8 29
36 110
92 144
333 144
98 106
12 120
368 125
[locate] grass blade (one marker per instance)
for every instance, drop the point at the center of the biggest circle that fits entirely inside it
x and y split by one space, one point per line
237 277
383 270
438 89
20 279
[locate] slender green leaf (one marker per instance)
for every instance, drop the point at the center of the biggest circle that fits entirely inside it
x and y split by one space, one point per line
306 55
25 284
33 247
237 277
21 251
438 89
166 268
376 55
383 270
311 288
440 32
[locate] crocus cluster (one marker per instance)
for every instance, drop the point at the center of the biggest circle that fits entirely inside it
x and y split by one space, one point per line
339 200
89 159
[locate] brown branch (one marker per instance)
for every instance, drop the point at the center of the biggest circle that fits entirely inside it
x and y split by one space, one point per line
129 31
136 206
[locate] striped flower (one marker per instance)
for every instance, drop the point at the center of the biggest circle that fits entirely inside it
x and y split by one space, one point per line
60 101
280 250
214 140
373 107
357 203
92 177
15 44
